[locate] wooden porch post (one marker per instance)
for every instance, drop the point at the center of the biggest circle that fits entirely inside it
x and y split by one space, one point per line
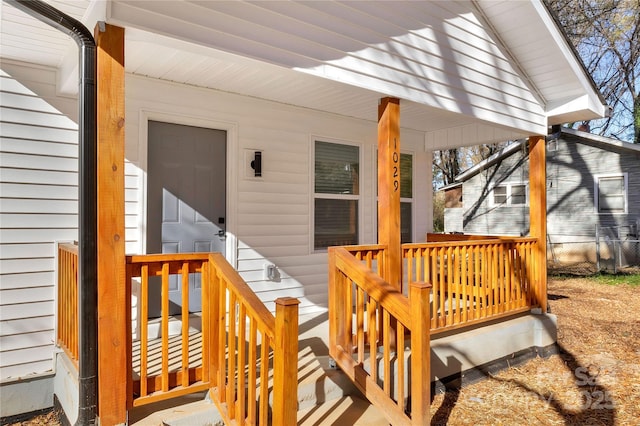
389 188
114 349
538 213
285 362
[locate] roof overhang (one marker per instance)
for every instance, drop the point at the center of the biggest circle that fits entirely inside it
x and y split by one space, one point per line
467 72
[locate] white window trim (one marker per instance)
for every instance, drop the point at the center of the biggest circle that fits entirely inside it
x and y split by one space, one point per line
596 192
314 195
508 185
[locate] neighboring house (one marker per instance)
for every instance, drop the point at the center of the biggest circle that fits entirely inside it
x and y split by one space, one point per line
593 186
258 121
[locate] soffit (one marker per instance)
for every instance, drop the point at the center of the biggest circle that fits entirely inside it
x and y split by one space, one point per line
300 70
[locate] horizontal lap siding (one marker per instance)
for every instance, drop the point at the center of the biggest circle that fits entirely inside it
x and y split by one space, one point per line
270 216
570 182
480 215
38 206
570 185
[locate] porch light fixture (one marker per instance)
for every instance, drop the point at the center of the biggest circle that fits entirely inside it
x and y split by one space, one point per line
256 163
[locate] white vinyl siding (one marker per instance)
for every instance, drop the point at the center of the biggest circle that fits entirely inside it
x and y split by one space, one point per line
269 218
38 206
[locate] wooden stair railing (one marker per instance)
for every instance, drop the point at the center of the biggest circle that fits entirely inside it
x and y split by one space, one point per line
67 327
254 337
246 352
357 295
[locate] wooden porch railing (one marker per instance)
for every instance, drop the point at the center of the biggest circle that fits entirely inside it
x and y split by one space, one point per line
470 280
67 328
241 342
475 280
382 317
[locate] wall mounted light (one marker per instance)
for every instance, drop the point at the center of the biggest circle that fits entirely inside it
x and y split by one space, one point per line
256 163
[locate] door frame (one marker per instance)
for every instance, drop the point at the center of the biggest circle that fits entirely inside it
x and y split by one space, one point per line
231 128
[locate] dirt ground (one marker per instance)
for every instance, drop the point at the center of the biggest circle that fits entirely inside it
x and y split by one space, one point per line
594 380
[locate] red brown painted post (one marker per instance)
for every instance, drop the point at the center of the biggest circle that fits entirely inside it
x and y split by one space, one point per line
389 188
420 352
114 345
538 214
285 362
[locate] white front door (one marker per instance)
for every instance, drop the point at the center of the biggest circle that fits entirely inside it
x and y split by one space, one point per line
186 200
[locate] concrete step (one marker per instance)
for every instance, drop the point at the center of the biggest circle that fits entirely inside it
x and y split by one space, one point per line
324 393
347 410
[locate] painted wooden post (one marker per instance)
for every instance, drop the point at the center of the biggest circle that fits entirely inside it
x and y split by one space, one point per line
389 187
420 352
114 345
285 362
334 303
538 214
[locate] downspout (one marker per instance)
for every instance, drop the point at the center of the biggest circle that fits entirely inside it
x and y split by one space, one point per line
87 192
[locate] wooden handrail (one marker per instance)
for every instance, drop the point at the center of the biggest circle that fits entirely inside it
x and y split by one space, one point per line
383 318
67 324
438 237
240 379
240 338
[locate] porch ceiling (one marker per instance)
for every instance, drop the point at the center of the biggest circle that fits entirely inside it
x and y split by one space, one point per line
300 53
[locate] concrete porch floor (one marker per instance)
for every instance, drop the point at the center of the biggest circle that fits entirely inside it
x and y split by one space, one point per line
327 397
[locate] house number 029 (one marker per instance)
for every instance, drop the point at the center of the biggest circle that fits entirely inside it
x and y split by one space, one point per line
396 166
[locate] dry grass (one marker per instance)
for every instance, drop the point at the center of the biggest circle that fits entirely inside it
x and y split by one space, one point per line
595 380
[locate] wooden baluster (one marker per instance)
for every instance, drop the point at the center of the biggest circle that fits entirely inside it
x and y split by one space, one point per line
144 327
348 286
165 327
386 351
373 338
501 277
484 266
206 323
458 285
264 380
450 283
242 360
251 398
465 284
185 325
360 323
433 256
442 290
400 358
231 356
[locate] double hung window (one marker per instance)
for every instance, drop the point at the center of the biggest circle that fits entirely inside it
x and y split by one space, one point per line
336 195
611 194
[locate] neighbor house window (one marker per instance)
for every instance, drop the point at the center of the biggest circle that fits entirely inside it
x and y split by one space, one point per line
337 194
611 194
406 197
510 194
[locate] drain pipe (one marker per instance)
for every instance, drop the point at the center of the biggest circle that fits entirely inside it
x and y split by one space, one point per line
87 188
